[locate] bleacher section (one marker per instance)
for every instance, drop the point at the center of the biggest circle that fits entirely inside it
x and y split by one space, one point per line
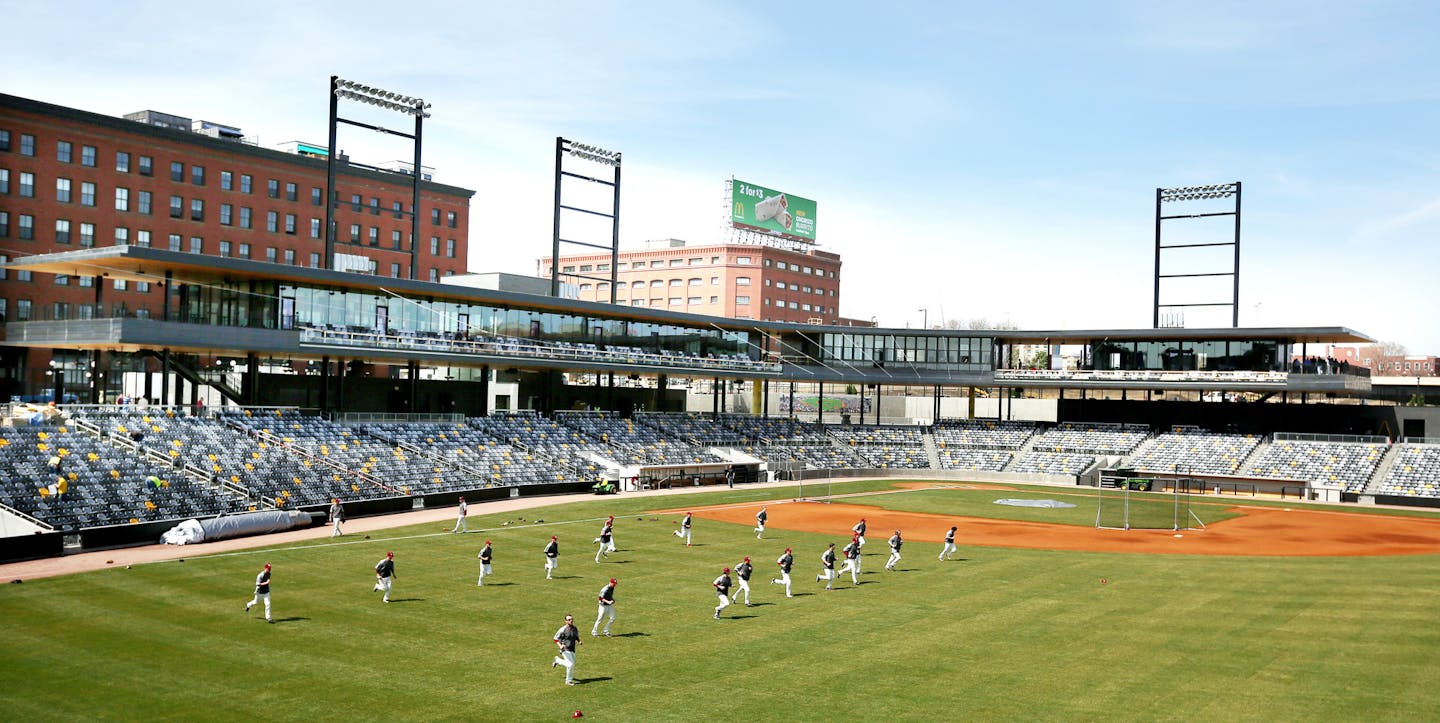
245 459
103 484
1193 451
635 444
1415 474
1350 464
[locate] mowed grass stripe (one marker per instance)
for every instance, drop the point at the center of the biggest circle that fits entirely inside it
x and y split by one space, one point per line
1001 634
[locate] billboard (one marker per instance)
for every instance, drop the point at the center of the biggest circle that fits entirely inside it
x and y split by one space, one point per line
757 208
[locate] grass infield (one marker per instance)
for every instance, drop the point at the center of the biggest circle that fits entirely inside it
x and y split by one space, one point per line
995 634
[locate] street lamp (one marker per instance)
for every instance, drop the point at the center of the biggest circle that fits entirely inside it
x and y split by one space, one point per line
925 318
399 103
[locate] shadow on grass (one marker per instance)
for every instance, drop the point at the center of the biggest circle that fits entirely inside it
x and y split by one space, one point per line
290 620
496 584
406 600
736 617
601 679
631 635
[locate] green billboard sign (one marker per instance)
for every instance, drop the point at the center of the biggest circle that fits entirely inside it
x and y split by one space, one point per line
766 210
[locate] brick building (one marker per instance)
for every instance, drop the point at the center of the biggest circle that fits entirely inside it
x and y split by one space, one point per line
742 281
71 179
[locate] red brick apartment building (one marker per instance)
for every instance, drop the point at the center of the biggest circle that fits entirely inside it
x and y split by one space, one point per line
71 179
740 281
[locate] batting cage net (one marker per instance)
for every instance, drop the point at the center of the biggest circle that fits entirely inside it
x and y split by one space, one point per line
1128 501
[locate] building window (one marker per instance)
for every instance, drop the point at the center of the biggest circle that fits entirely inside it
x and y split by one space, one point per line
676 301
314 260
177 171
272 221
434 245
355 202
22 309
122 236
244 251
26 225
675 282
271 254
395 241
743 260
354 233
62 231
693 300
317 196
374 206
142 204
434 276
62 151
227 214
290 257
585 288
246 183
87 235
398 209
4 181
434 217
272 188
714 299
27 185
394 271
142 238
4 140
225 249
122 199
62 279
742 280
693 282
450 247
197 245
177 207
87 194
677 262
177 242
120 285
450 219
244 217
586 268
27 144
146 165
290 192
374 235
4 225
227 181
87 156
315 228
62 190
290 223
122 162
197 209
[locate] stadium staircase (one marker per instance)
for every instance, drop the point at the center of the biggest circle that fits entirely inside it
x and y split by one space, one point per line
1392 455
932 452
851 451
1022 451
1247 467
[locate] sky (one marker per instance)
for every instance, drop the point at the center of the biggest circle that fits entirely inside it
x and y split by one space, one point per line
969 160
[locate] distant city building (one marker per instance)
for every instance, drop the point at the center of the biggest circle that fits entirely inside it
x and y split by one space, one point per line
741 281
71 179
1371 357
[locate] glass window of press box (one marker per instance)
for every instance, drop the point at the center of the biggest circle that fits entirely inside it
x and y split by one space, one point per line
929 352
1258 356
390 315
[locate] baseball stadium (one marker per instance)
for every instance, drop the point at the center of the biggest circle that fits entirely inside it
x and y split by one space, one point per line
1200 523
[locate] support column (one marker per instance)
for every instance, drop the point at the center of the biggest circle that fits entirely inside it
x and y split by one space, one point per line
324 401
412 369
715 393
484 390
820 404
165 398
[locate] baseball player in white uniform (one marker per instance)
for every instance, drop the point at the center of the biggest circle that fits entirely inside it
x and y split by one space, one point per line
262 592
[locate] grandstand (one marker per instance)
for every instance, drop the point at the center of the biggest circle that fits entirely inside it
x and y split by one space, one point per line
1195 451
1331 461
1416 472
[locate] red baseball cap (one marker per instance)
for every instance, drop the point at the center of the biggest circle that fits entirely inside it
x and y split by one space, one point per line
389 554
267 566
487 542
726 570
612 581
787 549
747 558
554 537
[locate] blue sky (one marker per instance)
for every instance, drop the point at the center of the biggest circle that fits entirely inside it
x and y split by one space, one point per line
970 159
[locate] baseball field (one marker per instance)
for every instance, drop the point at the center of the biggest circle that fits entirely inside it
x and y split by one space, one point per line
1273 611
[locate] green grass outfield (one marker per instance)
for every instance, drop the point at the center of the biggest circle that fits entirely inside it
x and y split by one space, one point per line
996 634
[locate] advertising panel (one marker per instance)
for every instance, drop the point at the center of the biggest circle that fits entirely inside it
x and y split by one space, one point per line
757 208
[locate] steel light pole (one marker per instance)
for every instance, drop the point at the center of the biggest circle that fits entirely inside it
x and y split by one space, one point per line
403 104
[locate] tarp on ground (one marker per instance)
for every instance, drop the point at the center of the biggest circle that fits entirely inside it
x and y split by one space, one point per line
243 525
